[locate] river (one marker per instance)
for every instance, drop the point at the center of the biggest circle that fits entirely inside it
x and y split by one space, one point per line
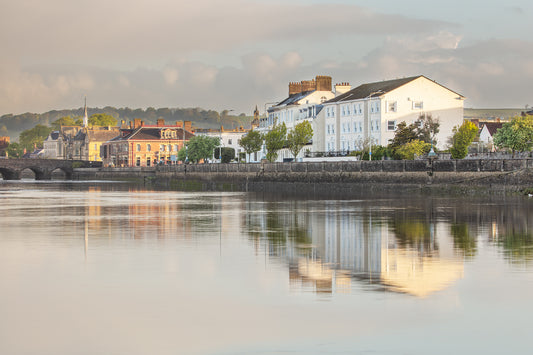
110 268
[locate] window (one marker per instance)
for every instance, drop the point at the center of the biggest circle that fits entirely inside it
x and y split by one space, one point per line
391 125
95 147
161 148
149 147
229 141
175 148
322 99
418 105
138 148
148 161
138 161
391 106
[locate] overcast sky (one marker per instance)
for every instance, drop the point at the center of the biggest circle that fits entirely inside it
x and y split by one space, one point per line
235 54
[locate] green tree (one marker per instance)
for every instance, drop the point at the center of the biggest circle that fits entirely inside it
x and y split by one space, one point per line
403 135
275 140
66 121
462 137
102 119
34 137
201 147
299 136
408 151
516 135
251 142
427 128
15 150
182 154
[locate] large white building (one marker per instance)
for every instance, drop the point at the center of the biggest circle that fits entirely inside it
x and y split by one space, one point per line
303 104
371 113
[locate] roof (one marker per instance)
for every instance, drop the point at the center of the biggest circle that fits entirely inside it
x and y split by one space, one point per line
102 135
492 127
293 99
377 89
152 133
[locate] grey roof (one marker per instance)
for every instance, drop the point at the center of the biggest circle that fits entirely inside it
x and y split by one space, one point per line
377 89
293 99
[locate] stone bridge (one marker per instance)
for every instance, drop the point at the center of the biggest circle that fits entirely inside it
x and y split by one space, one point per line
11 169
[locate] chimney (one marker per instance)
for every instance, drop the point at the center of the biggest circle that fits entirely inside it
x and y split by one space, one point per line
295 88
137 123
308 85
188 126
342 88
323 83
179 124
160 122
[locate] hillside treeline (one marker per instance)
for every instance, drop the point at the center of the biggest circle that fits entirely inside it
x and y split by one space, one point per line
13 125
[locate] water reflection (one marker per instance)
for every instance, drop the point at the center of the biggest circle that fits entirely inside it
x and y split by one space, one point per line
413 247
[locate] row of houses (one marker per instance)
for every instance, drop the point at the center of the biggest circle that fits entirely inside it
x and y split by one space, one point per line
346 119
343 119
133 144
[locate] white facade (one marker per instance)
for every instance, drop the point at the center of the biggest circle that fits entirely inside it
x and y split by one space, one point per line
228 139
372 112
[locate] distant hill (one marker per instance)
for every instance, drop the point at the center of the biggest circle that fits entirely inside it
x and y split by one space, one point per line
12 125
487 114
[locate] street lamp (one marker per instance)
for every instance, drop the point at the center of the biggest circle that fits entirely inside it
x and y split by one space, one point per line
369 97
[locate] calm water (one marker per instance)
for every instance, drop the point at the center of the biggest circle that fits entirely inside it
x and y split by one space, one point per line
90 268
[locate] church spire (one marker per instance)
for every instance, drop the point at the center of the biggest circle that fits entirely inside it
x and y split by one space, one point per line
85 117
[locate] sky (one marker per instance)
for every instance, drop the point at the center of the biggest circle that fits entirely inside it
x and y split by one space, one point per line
236 54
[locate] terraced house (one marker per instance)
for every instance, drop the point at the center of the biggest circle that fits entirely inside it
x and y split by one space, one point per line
371 112
146 145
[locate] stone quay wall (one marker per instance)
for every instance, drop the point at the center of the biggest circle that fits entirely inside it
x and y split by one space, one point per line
490 175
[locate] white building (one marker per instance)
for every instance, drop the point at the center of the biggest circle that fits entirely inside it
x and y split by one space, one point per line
228 138
302 104
371 112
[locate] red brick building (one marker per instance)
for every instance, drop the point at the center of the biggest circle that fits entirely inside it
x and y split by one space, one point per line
146 145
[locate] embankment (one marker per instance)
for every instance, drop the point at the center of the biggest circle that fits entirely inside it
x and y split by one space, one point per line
335 178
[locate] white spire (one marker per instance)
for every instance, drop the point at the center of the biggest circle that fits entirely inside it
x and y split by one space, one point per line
85 117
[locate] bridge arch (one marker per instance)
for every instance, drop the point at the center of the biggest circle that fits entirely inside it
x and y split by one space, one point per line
66 172
9 174
39 173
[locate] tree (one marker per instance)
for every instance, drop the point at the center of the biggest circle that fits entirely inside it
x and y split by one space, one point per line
201 147
404 134
427 128
15 150
415 147
102 119
182 154
516 135
34 137
251 142
299 136
66 121
462 137
275 140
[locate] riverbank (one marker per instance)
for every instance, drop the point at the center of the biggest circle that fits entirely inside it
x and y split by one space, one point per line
335 178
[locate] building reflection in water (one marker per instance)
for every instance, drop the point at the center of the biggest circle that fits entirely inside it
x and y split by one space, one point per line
332 248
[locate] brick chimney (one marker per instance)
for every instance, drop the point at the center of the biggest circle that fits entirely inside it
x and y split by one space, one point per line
308 85
160 122
323 83
137 123
295 88
188 126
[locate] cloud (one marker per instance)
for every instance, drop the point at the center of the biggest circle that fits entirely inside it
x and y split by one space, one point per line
138 31
492 73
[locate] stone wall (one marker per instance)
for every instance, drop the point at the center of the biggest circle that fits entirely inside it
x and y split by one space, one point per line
462 175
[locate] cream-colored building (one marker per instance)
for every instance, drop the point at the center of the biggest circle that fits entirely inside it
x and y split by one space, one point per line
371 113
303 104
